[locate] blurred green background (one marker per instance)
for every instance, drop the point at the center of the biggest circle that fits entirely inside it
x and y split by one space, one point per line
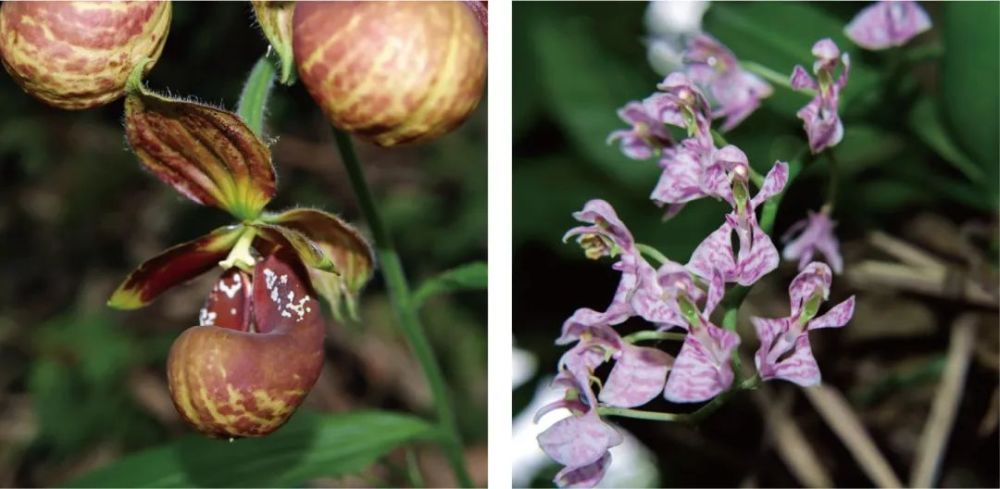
81 385
918 161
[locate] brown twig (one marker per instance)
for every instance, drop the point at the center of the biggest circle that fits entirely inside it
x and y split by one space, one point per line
946 401
793 447
838 414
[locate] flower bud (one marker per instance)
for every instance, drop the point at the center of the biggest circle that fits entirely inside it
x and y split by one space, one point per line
391 73
78 55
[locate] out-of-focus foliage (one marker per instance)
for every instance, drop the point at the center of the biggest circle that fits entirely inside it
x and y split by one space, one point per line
308 447
915 150
82 386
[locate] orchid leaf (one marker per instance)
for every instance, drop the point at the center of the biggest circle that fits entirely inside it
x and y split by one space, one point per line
210 155
174 266
345 246
275 19
471 276
310 446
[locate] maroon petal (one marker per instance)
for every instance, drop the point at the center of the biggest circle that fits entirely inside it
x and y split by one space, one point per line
174 266
228 304
207 154
307 251
281 300
346 248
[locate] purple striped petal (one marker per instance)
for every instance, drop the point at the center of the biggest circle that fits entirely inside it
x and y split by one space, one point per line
822 124
577 441
603 221
655 298
773 184
665 109
586 320
768 331
714 252
836 317
816 277
887 24
761 257
702 370
800 79
826 52
637 377
581 360
815 233
716 289
799 368
682 173
586 476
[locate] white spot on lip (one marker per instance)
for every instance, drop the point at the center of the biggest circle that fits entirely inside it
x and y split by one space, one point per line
232 311
206 318
300 308
269 278
231 290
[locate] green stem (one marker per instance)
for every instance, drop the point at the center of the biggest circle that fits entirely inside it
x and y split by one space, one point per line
654 335
831 190
402 303
729 321
652 253
719 139
640 414
692 417
772 76
253 100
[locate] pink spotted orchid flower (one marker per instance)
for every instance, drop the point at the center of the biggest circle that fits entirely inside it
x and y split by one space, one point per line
785 352
734 92
581 441
811 235
645 137
642 290
887 24
702 369
757 255
820 117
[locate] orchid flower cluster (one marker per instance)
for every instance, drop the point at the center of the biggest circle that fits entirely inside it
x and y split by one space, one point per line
711 85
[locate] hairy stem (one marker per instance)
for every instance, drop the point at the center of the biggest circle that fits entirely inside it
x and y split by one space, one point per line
402 303
253 100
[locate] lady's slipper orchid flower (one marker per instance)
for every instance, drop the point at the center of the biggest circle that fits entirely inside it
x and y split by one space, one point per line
734 92
702 369
811 235
245 382
785 352
887 24
645 138
757 255
820 117
213 158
